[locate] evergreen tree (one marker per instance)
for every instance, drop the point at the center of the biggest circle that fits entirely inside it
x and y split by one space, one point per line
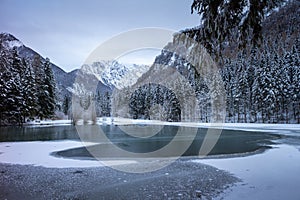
106 105
49 91
15 93
30 93
39 76
252 66
27 89
5 76
232 21
292 67
66 105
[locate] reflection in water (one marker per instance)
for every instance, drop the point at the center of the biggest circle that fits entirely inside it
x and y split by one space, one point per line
33 133
230 141
137 144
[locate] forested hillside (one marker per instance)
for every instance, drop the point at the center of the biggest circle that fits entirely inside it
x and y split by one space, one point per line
27 88
262 83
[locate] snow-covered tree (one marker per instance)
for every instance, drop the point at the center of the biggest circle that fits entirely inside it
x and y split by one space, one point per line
5 76
15 96
232 21
49 91
28 82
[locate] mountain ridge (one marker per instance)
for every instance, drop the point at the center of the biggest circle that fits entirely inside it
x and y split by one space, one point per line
62 78
111 74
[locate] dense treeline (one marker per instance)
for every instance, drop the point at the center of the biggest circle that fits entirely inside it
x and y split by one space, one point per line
264 86
27 88
103 104
85 102
143 100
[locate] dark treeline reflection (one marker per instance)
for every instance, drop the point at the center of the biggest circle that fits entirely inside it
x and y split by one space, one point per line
43 133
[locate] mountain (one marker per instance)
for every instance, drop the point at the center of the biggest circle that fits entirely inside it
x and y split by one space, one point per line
115 74
253 81
281 26
111 74
63 79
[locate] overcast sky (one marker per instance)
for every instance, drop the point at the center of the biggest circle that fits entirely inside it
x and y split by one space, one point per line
67 31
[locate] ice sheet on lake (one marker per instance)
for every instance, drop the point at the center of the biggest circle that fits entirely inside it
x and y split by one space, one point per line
38 153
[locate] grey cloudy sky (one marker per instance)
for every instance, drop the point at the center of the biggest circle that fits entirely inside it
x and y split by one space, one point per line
67 31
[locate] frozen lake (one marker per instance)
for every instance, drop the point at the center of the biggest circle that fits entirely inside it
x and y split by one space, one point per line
230 142
264 157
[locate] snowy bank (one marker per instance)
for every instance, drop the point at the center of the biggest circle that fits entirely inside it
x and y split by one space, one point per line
127 121
271 175
39 154
61 122
228 126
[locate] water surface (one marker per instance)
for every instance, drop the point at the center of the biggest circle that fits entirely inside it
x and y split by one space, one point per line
229 142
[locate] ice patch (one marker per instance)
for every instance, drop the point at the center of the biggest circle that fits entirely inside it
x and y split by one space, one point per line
39 154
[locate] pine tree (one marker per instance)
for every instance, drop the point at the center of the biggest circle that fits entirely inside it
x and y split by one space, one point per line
30 93
267 89
39 76
243 87
49 91
26 89
66 105
228 79
106 105
291 64
252 65
232 21
15 95
5 76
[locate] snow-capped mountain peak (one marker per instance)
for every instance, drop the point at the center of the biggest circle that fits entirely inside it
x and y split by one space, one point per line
115 74
10 41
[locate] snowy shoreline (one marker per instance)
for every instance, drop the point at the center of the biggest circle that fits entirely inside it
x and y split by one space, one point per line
127 121
281 129
25 152
271 174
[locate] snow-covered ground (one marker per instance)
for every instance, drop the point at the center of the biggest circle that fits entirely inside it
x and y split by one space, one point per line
283 129
26 152
271 175
61 122
38 153
127 121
